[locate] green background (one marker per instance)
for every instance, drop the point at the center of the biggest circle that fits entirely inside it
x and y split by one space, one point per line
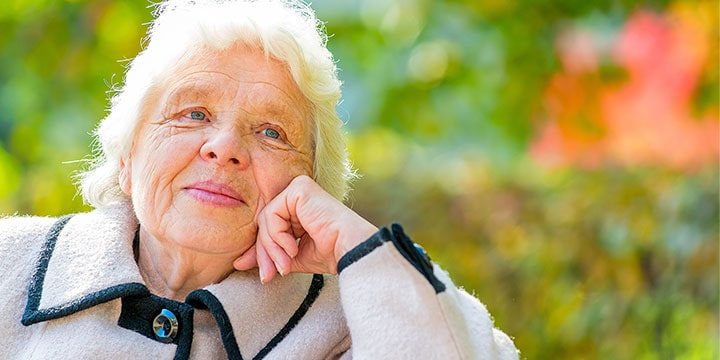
600 254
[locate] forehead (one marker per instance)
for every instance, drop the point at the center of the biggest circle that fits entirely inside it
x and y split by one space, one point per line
240 74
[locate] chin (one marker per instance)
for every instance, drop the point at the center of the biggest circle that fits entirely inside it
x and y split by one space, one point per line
211 235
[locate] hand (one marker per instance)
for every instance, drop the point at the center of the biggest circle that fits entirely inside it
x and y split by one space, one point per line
325 227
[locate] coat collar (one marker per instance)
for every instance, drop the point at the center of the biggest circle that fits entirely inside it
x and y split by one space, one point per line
88 259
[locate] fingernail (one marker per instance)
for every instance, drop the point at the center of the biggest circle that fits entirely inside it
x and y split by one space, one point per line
262 276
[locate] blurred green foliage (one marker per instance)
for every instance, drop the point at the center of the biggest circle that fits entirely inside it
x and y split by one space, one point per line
444 101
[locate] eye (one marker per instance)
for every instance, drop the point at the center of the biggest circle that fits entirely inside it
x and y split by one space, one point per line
271 133
197 115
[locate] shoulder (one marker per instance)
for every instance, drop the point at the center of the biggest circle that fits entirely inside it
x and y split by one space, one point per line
17 232
21 238
20 231
23 223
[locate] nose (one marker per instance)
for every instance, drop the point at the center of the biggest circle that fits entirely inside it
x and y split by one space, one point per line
226 147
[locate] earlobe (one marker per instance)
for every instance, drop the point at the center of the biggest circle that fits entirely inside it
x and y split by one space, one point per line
124 176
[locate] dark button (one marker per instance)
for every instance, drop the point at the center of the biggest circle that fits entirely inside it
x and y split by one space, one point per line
424 255
165 326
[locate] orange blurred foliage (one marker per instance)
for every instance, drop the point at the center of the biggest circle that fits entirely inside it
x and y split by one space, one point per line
646 118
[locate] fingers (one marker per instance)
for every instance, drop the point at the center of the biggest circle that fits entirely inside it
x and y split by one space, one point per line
267 244
266 266
276 244
247 260
279 229
304 210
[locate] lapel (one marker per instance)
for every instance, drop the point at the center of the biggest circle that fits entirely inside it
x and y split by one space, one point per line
259 315
87 259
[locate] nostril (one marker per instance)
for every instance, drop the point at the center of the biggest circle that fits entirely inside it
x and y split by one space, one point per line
221 158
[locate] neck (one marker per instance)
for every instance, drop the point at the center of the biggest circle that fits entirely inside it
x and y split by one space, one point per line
172 271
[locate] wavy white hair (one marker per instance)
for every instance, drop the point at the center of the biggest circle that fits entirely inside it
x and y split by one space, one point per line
286 30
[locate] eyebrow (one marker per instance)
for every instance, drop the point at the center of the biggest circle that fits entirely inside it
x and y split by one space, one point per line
189 90
195 91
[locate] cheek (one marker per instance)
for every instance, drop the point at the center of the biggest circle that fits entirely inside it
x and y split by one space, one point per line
274 171
151 193
162 158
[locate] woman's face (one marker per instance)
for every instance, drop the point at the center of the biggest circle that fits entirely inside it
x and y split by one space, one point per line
217 140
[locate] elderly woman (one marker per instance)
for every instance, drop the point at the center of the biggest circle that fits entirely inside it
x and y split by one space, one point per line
222 164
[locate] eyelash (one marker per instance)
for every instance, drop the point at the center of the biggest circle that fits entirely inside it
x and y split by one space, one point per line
205 115
268 128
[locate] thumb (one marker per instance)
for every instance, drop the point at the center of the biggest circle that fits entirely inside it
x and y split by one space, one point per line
247 260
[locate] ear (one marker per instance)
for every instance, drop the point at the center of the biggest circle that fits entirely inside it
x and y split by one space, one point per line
125 176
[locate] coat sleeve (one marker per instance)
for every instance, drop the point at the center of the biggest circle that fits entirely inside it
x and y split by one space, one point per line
399 304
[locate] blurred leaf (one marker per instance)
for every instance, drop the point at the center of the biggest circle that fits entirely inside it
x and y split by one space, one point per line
9 174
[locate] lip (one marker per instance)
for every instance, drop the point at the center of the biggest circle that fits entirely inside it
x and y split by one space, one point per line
215 193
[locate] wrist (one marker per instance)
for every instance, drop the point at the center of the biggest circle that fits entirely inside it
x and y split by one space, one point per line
352 238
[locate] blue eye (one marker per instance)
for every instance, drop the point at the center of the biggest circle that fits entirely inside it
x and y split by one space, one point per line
271 133
197 115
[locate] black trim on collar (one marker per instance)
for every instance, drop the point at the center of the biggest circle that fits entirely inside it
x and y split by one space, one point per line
136 245
317 284
138 312
32 312
203 299
412 252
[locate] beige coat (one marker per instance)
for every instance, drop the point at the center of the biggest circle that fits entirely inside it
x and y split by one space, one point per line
77 290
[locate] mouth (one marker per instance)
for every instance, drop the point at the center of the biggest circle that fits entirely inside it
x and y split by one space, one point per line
215 194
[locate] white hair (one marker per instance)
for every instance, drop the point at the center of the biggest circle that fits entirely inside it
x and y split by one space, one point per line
286 30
